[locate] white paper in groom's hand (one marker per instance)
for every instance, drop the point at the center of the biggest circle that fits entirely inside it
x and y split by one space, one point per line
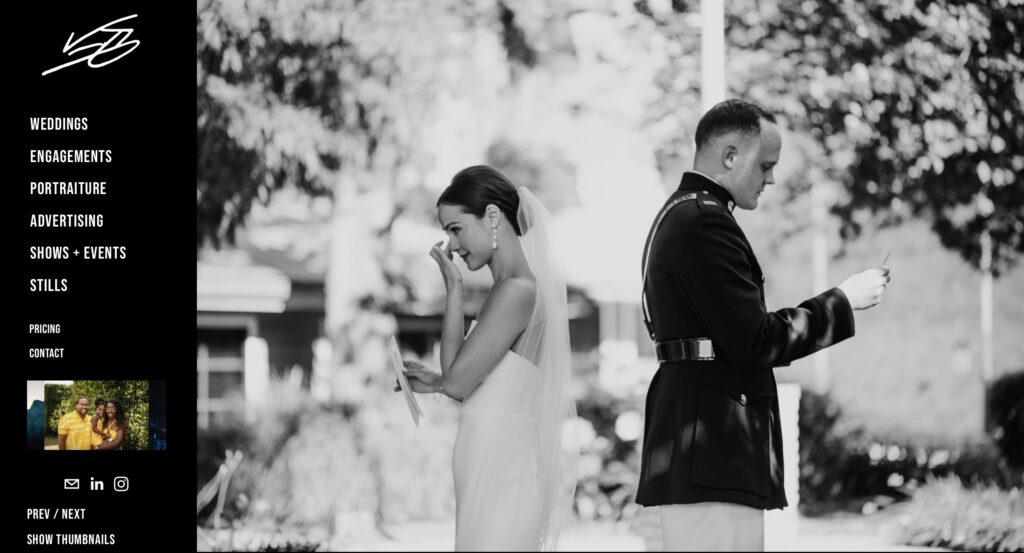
403 382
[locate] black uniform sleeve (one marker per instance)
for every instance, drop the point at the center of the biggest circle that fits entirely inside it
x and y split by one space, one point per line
712 269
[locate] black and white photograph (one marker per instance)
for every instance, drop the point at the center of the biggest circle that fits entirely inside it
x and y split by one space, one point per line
616 275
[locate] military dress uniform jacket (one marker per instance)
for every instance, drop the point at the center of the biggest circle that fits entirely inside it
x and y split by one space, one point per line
712 430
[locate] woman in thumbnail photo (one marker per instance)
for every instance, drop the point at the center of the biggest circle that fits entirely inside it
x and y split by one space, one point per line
116 426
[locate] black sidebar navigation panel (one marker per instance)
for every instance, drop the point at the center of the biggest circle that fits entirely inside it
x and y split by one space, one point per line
98 157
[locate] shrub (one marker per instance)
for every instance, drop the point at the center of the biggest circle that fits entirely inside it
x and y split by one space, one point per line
306 464
841 466
609 466
291 546
1004 410
945 514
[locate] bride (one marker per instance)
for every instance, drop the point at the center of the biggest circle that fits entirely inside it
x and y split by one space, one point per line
514 481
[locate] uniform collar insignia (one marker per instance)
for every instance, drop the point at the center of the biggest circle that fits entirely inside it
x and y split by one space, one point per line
697 181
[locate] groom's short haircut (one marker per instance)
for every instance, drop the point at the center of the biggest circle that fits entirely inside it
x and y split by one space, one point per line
731 116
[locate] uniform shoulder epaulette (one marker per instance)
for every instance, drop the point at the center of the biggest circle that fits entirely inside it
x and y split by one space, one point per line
706 198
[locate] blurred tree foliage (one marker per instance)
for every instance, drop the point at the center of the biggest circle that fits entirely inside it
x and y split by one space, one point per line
913 108
673 117
917 107
132 395
327 97
544 170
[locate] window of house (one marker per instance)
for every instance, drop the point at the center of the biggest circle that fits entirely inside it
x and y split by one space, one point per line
220 373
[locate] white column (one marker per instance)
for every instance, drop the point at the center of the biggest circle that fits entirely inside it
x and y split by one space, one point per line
712 53
987 364
780 525
203 393
257 372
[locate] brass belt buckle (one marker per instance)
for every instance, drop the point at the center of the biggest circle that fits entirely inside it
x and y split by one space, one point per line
686 349
705 349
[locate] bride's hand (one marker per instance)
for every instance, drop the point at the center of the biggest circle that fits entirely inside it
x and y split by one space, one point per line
421 379
450 272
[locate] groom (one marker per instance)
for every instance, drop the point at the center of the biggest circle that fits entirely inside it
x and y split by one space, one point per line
712 452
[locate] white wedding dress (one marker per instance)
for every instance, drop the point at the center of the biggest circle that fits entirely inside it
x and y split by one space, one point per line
497 494
515 477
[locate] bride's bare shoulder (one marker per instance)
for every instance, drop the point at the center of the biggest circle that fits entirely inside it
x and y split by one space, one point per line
513 295
520 286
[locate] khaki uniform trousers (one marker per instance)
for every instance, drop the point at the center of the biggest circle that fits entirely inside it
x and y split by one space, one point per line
712 526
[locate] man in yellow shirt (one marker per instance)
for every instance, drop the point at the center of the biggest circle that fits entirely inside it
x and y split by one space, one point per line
74 430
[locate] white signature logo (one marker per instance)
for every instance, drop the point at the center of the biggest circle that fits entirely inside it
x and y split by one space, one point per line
73 47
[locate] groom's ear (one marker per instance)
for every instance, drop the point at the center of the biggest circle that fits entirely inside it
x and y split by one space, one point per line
729 154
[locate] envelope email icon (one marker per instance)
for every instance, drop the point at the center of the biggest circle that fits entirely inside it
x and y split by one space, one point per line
70 483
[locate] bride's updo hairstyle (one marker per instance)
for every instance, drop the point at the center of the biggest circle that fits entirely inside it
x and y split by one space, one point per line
473 188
